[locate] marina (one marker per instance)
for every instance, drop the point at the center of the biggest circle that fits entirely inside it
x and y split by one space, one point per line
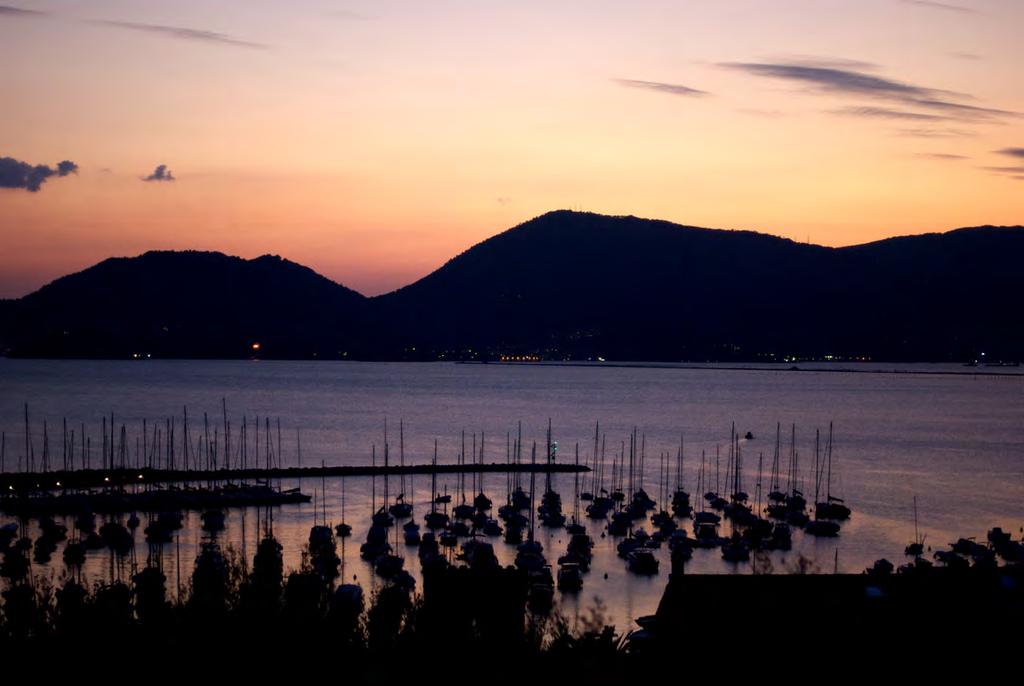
614 508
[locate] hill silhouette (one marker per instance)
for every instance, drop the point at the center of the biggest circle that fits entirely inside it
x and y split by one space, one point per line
185 304
565 285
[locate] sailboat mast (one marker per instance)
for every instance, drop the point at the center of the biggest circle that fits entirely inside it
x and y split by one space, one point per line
828 492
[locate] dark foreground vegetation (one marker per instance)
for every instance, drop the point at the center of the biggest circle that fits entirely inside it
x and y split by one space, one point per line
480 622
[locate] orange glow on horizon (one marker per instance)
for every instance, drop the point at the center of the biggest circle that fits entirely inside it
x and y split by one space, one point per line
374 150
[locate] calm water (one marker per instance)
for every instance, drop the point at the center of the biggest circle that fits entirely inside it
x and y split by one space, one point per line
953 440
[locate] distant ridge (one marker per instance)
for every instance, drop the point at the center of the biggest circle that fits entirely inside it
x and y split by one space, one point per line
565 285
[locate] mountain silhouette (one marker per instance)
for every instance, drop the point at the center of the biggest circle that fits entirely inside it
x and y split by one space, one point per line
565 285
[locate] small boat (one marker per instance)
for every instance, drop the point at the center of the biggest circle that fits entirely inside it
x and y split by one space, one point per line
382 517
436 520
74 554
513 535
540 596
706 535
822 527
388 566
642 561
481 502
213 520
626 546
400 509
570 577
735 550
428 546
479 554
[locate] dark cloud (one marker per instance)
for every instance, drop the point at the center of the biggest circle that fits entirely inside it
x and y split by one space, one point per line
9 11
885 113
850 82
161 173
1012 152
943 6
670 88
17 174
183 33
832 79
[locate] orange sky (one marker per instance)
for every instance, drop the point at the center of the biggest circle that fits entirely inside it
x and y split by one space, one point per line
372 141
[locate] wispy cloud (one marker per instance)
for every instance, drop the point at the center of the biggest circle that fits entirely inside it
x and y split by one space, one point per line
942 156
661 87
821 61
935 133
886 113
1015 171
183 33
836 81
31 177
9 11
161 173
962 111
942 6
1007 170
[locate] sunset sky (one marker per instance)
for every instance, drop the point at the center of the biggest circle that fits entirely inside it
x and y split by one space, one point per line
373 140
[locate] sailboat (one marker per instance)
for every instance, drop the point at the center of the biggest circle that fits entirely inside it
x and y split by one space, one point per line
819 526
434 519
343 530
680 498
575 527
377 537
832 507
550 509
400 509
480 501
602 502
776 507
530 553
380 517
463 510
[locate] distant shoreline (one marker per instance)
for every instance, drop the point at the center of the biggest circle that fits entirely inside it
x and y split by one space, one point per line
987 371
780 367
